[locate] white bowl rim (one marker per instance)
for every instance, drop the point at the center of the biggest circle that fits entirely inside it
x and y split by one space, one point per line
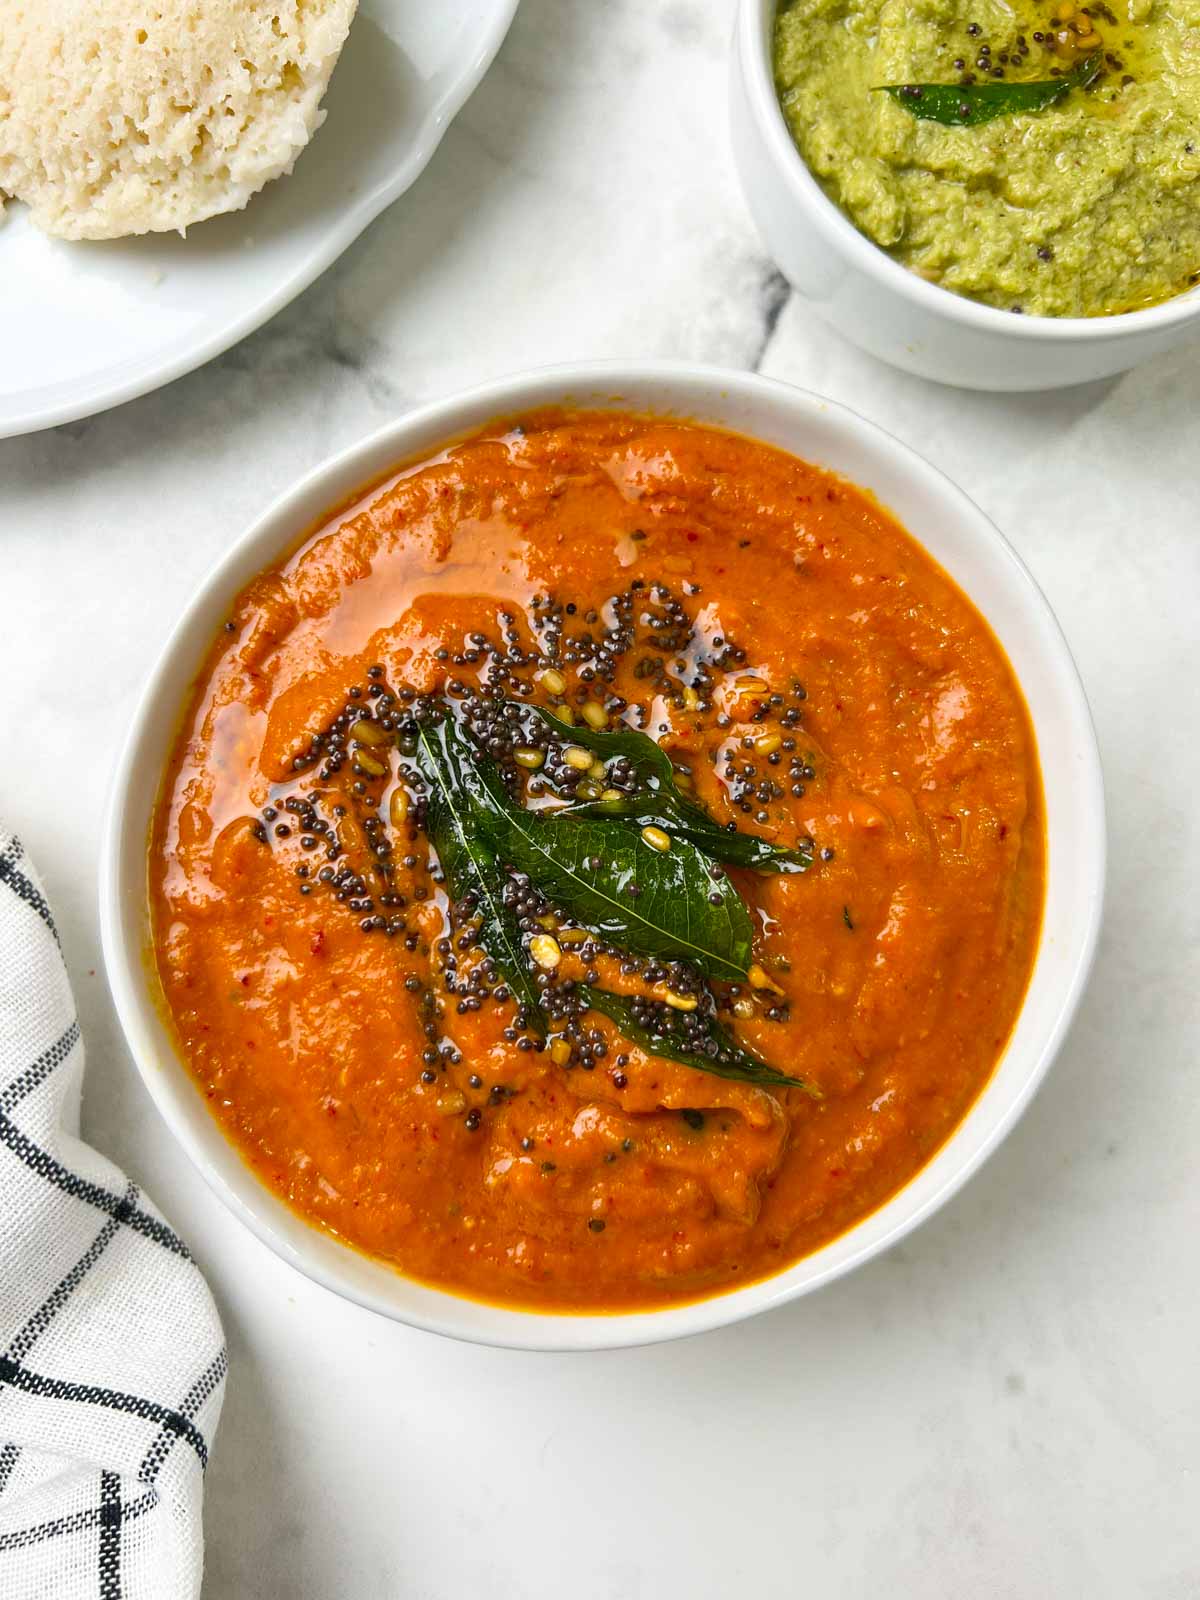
754 47
533 1329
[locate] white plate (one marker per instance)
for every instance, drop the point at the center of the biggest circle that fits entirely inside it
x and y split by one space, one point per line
88 325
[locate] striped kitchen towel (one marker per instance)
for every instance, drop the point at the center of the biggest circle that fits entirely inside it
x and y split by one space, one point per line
112 1364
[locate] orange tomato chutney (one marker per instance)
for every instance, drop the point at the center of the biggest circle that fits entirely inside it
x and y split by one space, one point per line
899 959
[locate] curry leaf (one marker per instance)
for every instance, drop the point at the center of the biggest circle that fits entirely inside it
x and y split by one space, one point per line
662 804
456 808
683 820
658 1030
966 105
651 902
649 760
599 872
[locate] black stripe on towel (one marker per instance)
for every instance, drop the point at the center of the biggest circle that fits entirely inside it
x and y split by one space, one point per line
53 1056
110 1536
57 1299
191 1403
45 1165
93 1394
76 1522
24 888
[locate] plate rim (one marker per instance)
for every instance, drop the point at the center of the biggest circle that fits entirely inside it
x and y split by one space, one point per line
442 112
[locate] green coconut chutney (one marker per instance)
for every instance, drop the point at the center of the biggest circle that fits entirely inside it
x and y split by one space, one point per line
1087 208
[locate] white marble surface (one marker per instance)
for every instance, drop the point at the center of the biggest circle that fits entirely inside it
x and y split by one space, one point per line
1006 1407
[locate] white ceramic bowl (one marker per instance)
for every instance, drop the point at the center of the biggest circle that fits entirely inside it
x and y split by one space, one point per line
953 530
882 306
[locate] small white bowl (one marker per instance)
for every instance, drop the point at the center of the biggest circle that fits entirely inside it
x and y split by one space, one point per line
954 532
883 307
